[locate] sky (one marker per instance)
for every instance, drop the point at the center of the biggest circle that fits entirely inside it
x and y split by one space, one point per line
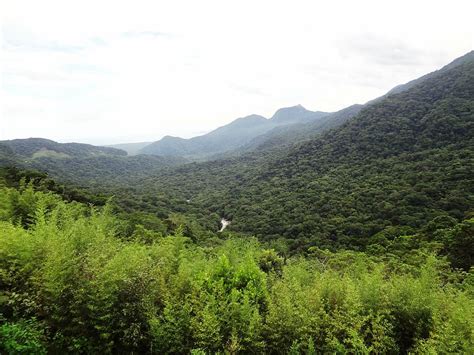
105 72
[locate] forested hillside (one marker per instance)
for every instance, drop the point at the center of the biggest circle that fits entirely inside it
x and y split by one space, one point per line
103 171
393 168
283 137
82 164
33 148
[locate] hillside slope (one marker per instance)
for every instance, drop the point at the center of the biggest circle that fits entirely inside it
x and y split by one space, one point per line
32 148
397 165
103 171
400 162
81 164
285 136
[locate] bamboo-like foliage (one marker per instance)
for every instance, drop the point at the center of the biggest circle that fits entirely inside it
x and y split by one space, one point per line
70 283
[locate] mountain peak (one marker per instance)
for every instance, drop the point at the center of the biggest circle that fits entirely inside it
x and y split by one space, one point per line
171 138
250 119
294 114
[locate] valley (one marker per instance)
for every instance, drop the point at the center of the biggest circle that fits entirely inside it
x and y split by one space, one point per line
307 232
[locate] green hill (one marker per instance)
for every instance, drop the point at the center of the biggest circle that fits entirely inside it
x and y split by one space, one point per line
32 148
81 164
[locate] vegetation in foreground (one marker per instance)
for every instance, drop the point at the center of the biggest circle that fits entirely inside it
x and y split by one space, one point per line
72 281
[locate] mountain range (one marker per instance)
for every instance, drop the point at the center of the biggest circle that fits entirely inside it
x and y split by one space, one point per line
287 126
231 136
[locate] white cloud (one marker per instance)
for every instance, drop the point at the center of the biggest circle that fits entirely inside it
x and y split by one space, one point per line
109 71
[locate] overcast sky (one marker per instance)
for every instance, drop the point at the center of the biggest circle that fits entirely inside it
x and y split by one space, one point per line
125 71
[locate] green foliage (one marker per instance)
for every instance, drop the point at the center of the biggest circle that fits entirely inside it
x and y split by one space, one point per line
70 283
459 244
22 337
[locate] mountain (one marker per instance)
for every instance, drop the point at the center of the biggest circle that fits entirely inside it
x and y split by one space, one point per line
295 114
301 129
231 136
400 162
286 127
33 148
391 169
282 137
130 148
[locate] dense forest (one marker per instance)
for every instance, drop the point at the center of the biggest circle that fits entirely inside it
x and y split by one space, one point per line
350 234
